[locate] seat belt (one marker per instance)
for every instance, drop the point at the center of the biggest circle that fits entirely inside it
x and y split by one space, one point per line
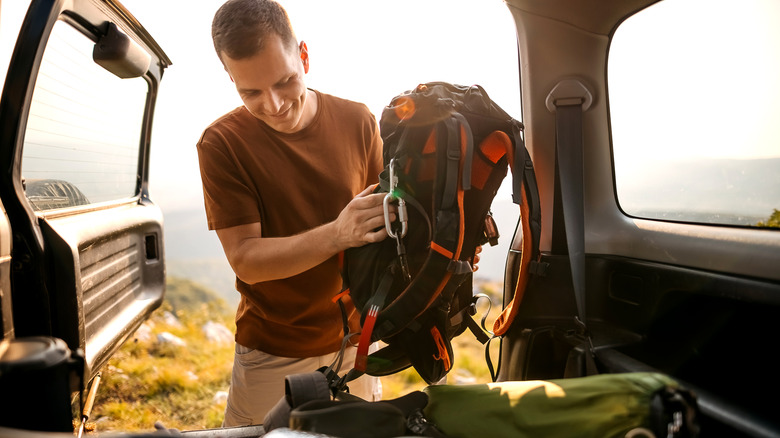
568 100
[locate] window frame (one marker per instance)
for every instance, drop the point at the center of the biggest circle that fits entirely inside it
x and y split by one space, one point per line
667 212
141 103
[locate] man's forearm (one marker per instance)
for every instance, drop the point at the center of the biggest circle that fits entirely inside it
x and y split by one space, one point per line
257 259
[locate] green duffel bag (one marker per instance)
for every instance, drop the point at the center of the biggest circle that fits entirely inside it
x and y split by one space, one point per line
605 405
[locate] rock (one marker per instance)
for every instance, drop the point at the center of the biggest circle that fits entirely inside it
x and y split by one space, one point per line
144 333
171 319
218 333
220 398
168 338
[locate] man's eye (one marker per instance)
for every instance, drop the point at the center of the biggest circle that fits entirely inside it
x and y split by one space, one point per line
287 81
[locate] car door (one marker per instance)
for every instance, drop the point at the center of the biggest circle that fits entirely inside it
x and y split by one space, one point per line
85 239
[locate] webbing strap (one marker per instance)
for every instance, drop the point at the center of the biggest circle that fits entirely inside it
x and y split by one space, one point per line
524 180
361 358
374 305
569 154
525 194
468 156
518 163
427 285
410 200
568 134
476 329
451 166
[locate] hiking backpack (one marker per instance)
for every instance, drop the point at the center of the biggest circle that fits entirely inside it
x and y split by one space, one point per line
446 152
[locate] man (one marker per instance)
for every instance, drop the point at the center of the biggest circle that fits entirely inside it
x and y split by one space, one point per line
287 186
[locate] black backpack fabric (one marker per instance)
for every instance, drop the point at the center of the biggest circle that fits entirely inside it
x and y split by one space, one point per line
446 152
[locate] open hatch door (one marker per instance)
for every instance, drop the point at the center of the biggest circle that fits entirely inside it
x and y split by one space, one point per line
86 242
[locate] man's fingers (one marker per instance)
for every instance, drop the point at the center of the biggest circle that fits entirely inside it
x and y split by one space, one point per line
375 222
475 264
368 201
376 236
366 191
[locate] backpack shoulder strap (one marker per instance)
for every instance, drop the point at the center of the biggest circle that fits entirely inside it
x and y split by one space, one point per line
526 194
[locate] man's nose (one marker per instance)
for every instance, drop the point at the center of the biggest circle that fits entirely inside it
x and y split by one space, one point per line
273 102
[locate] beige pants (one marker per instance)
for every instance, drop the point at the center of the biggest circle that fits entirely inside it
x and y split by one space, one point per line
257 383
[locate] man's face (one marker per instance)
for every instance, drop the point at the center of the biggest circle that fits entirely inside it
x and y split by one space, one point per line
270 83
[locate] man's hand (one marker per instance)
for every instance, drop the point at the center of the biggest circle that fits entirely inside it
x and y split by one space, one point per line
362 221
255 258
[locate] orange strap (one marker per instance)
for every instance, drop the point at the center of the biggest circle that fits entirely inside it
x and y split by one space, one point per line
442 349
502 323
338 296
441 250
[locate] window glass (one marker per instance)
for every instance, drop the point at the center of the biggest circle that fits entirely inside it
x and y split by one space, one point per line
693 91
82 139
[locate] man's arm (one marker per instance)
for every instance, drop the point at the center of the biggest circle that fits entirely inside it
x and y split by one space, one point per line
255 258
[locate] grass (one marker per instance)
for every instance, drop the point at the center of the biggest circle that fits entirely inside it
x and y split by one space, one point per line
148 381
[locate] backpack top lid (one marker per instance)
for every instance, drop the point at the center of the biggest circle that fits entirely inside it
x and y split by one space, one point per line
434 101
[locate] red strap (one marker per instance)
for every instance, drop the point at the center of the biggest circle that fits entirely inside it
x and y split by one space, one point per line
361 359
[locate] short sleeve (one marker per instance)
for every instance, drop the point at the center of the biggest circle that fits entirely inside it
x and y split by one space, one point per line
228 198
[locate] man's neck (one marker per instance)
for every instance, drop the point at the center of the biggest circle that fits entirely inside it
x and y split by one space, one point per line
310 109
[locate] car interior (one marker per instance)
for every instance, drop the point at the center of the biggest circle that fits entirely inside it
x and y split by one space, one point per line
674 265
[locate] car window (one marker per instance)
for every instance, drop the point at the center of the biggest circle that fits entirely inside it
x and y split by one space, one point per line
694 112
82 138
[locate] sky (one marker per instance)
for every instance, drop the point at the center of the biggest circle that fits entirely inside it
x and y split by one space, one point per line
726 58
370 51
360 50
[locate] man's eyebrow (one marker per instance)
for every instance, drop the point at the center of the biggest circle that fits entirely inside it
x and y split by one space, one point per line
247 90
285 79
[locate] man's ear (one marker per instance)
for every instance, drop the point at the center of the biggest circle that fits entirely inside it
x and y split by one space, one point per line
304 51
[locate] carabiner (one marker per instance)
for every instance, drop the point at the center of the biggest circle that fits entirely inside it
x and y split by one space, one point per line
401 216
390 197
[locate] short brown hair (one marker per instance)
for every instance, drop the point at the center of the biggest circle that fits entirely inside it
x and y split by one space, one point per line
241 27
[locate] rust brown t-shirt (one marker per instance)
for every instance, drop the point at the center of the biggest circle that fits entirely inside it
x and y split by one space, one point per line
290 183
